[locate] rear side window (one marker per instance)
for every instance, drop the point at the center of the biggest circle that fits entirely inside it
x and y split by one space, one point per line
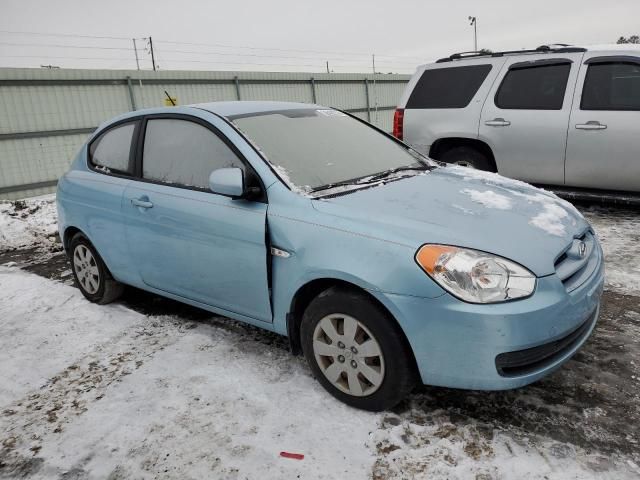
452 87
184 153
612 86
534 88
112 149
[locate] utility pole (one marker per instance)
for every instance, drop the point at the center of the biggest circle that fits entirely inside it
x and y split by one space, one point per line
153 58
473 21
375 87
328 66
135 49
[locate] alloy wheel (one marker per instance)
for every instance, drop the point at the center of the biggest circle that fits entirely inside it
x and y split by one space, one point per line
348 355
86 269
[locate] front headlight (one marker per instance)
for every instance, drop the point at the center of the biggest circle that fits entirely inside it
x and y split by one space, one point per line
475 276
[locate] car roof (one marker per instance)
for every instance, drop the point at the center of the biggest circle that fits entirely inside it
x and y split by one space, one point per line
243 107
223 109
546 50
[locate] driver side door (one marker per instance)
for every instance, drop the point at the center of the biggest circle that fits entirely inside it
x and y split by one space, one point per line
185 239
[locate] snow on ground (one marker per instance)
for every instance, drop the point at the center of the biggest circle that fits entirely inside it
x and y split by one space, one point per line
155 395
57 328
160 396
141 389
619 234
31 222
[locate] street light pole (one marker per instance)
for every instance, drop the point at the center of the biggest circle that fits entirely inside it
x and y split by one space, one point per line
473 21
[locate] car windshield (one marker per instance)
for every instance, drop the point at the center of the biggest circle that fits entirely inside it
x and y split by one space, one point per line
315 149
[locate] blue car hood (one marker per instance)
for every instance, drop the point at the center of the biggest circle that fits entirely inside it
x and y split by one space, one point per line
467 208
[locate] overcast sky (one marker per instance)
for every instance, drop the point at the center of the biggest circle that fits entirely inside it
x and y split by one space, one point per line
294 35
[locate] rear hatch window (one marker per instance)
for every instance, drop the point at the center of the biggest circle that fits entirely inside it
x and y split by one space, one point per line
451 87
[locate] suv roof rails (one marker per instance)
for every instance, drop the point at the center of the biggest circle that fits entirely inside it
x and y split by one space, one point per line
564 48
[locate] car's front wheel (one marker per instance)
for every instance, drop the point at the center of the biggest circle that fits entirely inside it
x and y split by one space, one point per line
356 351
90 272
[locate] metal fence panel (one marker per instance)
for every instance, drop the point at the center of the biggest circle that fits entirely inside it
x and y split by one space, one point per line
46 115
147 96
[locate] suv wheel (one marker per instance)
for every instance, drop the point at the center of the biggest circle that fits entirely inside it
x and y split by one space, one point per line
467 157
90 272
356 351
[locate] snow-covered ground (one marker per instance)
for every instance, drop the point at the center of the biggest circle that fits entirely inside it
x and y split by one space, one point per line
144 389
26 223
619 232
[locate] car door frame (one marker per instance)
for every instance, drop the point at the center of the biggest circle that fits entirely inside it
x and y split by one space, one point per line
113 253
576 174
139 148
249 169
549 174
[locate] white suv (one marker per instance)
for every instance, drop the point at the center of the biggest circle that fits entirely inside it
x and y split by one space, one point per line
556 115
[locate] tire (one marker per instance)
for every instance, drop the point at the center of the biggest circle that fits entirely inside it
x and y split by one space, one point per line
467 157
91 274
390 376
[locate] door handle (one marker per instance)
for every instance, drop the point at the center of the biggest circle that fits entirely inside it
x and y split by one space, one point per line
591 125
497 122
141 203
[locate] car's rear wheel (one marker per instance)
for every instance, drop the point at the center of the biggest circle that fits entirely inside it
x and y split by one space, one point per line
467 157
356 351
90 272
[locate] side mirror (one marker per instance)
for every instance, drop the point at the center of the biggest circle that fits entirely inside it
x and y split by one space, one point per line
227 181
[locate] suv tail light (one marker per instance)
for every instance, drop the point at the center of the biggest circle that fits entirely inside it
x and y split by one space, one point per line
398 120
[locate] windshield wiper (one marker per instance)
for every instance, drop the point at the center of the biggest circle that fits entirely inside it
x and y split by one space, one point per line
391 171
372 178
353 181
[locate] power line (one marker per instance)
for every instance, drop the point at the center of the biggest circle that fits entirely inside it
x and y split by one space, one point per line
320 65
229 54
320 56
73 35
282 49
67 57
105 37
64 46
272 56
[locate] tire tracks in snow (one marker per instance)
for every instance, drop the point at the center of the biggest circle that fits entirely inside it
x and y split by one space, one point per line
26 424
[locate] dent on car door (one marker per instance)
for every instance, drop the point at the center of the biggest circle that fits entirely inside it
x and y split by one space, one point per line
602 147
525 117
186 240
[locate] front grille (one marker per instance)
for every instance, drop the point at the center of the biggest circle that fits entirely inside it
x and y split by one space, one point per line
573 269
523 362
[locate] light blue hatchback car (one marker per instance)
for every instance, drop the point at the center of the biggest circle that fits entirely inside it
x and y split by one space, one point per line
383 267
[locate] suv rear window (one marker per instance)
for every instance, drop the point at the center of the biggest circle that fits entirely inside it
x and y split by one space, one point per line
534 88
451 87
612 86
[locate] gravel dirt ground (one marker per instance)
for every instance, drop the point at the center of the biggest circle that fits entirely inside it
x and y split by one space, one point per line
151 388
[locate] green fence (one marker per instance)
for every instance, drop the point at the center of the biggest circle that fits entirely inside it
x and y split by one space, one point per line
46 115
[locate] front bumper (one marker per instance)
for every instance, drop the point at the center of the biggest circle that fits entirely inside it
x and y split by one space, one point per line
463 345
